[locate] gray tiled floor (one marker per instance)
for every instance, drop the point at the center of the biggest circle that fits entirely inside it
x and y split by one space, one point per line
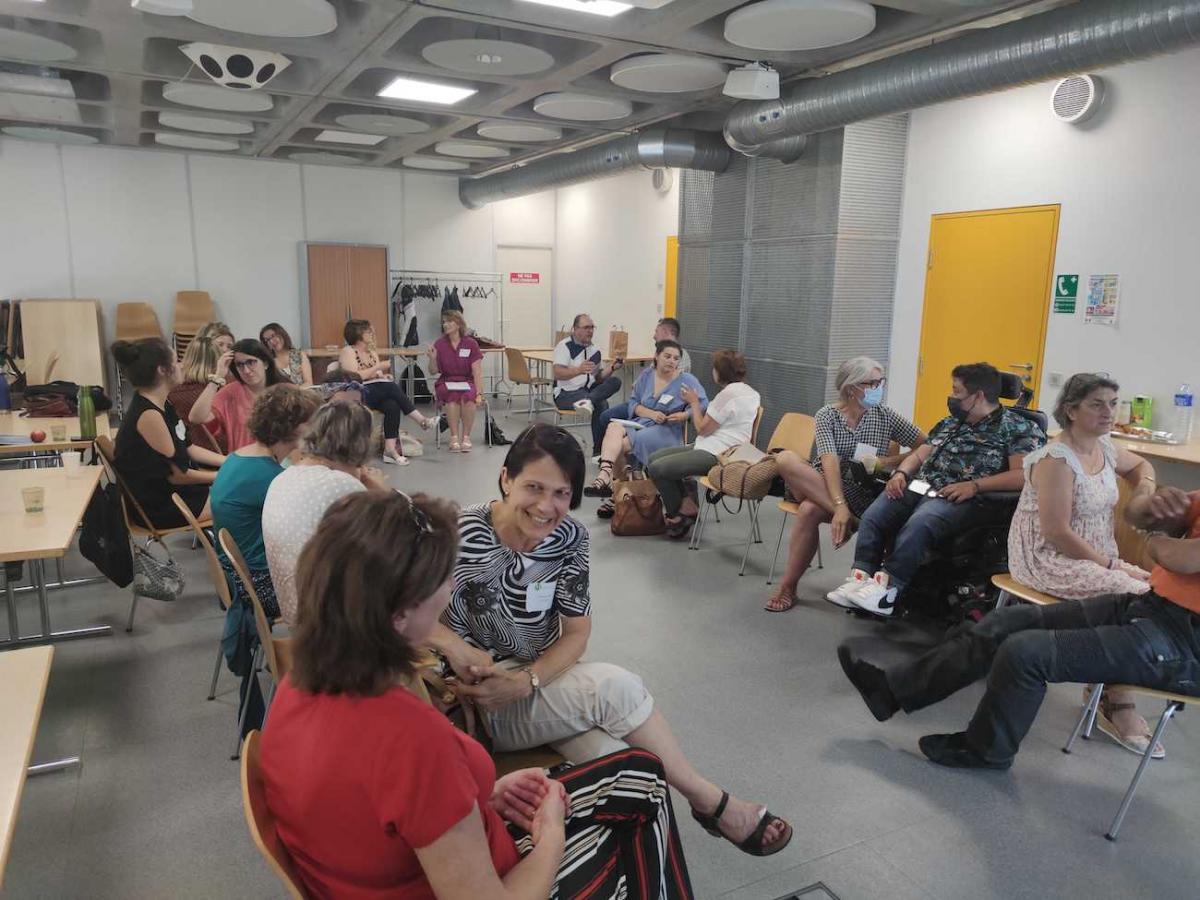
757 699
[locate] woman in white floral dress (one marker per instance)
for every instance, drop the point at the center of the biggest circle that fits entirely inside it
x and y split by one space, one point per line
1062 540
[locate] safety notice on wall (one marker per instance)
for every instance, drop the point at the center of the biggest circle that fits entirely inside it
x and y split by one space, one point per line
1103 298
524 277
1066 290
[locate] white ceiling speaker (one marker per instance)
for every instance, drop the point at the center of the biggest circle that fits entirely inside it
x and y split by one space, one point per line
16 44
667 73
521 133
209 124
1076 98
209 96
473 151
236 67
163 7
753 81
487 57
434 164
582 107
783 25
269 18
382 123
194 142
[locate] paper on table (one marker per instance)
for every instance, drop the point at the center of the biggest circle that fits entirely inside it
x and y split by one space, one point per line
629 423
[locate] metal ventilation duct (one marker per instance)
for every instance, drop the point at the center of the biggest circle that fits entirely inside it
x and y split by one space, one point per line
1078 38
654 149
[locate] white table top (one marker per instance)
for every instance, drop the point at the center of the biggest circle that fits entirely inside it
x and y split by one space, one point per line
23 677
48 534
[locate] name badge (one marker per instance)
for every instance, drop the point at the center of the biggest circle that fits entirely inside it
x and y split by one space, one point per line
862 451
539 596
665 400
181 430
464 352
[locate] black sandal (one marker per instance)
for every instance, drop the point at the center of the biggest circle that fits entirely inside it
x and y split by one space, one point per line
606 510
677 531
754 843
599 487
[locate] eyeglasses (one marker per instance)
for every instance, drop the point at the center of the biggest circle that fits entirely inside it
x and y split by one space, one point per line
587 327
878 382
246 364
420 521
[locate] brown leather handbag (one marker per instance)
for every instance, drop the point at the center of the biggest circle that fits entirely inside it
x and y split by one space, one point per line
637 508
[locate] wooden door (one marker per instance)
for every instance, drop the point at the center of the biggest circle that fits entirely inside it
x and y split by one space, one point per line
987 296
368 275
328 293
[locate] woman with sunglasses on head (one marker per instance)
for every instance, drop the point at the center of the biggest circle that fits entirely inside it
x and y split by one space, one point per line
200 359
226 401
375 794
379 391
857 425
292 364
518 625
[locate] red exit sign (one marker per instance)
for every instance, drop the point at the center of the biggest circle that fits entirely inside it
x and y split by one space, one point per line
524 277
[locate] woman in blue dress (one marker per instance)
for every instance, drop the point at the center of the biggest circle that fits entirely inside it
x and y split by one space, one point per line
657 405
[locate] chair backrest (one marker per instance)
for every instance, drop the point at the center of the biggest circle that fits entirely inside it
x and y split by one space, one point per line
261 821
193 310
136 320
261 623
518 369
215 572
1131 543
794 432
104 446
758 417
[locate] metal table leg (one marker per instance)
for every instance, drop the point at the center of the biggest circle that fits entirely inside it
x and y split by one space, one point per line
14 630
37 576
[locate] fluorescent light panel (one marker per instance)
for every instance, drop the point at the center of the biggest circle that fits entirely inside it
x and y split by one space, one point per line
594 7
333 136
425 91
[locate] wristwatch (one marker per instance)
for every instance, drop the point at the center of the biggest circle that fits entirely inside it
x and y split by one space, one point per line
534 681
217 380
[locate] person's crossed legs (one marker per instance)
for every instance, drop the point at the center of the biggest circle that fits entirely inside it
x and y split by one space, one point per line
600 422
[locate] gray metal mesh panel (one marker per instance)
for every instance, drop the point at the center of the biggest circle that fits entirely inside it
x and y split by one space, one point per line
695 204
872 176
785 387
729 201
710 289
865 268
860 328
799 198
791 285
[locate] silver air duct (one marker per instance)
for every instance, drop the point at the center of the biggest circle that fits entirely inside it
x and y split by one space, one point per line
653 149
1078 38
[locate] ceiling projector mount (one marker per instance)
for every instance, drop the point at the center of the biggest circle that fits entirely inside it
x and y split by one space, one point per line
236 67
753 81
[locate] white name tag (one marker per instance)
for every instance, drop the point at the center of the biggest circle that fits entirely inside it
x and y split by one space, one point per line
539 596
862 451
921 487
181 430
665 400
457 386
464 352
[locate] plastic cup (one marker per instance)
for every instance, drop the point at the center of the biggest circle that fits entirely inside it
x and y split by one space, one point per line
34 499
58 433
72 462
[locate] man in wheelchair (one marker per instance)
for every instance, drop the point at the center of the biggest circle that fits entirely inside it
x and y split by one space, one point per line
935 492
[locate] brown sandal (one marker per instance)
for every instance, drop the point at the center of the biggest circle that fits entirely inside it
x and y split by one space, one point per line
1134 743
780 595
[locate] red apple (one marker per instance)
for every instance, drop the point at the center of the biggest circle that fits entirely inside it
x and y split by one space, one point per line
37 435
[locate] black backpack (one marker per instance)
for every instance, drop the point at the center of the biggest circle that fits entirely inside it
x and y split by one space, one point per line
104 539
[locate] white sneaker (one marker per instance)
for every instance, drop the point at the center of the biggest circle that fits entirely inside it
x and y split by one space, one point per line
841 596
584 405
875 596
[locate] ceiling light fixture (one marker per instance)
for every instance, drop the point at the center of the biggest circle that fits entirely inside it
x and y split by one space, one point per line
424 91
607 8
333 136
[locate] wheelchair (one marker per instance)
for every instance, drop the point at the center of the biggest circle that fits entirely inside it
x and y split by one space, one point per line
954 582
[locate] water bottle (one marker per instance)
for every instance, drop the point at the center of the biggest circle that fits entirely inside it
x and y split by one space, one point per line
1184 400
87 413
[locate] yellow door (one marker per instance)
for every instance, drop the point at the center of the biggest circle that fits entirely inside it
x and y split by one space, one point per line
987 295
669 280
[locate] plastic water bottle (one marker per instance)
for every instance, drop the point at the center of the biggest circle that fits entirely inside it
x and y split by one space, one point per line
1184 402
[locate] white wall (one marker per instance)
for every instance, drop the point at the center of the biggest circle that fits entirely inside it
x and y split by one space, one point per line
119 224
1129 185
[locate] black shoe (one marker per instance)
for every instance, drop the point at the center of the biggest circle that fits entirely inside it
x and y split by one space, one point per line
953 750
871 682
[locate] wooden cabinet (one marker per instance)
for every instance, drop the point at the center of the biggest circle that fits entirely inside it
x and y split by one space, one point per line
346 281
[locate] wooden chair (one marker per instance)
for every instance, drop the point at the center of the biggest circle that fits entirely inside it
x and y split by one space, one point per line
215 573
261 822
712 497
151 533
193 310
276 652
135 320
518 373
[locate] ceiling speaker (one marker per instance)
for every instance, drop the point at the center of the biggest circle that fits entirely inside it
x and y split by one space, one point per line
236 67
1076 98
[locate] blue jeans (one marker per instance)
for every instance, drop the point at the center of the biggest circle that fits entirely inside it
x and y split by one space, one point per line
598 394
1115 639
917 524
600 422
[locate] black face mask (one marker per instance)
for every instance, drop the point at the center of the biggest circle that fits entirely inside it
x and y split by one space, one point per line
955 405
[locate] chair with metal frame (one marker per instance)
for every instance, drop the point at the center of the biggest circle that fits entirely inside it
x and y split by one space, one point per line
215 573
439 411
149 531
261 821
518 373
275 652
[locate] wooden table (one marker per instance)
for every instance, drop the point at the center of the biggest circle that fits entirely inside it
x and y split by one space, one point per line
12 423
1180 453
36 537
23 674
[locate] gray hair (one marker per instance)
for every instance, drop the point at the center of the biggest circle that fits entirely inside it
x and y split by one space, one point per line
854 371
1077 389
340 433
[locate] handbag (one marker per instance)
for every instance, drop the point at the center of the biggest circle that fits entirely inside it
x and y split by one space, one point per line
637 509
735 475
409 445
154 578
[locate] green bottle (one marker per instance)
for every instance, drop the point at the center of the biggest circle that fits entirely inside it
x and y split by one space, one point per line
87 413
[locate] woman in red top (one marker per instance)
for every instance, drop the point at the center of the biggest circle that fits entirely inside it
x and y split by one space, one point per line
456 359
376 794
226 402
